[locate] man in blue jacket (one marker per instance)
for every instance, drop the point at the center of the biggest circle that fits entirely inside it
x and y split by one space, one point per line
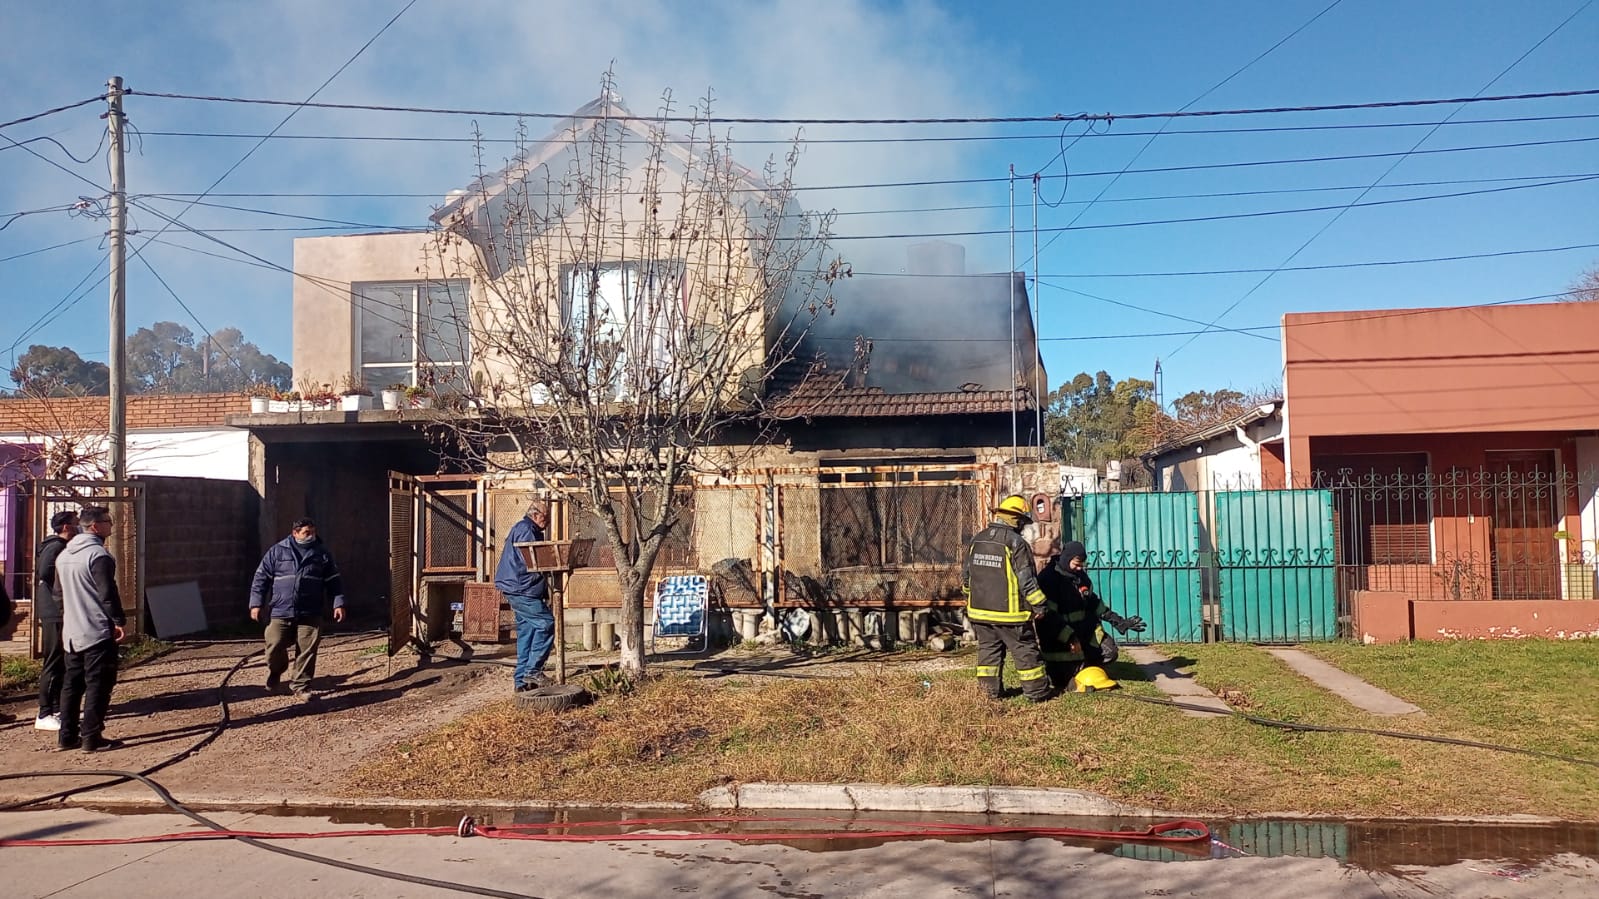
292 583
528 594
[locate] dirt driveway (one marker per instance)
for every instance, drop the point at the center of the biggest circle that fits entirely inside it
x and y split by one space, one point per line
275 748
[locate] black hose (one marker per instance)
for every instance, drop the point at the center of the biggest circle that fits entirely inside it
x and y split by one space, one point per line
1335 729
223 721
180 808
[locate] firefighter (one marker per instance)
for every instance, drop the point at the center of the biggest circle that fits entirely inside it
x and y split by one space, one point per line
1075 646
1003 599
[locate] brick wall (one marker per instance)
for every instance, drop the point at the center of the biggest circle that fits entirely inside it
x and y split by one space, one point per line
203 530
151 410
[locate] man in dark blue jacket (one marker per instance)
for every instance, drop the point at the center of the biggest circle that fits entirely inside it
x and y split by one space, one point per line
528 594
292 583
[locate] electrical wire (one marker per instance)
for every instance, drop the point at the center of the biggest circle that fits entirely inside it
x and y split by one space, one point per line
897 139
46 249
50 112
1147 144
209 339
1415 148
953 120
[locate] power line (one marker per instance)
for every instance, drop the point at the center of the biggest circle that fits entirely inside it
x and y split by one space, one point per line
45 249
940 182
1148 143
50 112
1220 216
954 120
1252 271
195 318
897 139
1386 172
974 207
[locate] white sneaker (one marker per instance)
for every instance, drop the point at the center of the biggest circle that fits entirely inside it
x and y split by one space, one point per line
47 722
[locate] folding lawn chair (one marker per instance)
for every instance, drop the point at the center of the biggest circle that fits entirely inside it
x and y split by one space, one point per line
682 609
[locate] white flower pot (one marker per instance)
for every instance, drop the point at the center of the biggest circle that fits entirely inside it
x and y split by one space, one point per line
392 399
259 405
278 406
356 403
421 402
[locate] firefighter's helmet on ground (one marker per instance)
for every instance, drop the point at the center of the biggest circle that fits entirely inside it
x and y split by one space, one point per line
1015 504
1093 678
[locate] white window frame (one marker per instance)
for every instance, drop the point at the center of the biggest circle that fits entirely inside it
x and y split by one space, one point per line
412 370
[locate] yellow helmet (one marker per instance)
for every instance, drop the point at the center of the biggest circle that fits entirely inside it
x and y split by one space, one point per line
1093 678
1015 504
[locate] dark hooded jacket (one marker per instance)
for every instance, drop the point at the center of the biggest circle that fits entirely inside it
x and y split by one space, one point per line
47 591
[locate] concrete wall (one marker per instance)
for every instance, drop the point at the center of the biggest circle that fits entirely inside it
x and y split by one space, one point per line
203 530
324 314
1388 617
1435 371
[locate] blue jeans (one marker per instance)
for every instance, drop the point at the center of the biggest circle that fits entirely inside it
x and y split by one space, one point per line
535 635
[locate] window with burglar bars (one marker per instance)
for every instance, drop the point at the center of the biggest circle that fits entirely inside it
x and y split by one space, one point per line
890 525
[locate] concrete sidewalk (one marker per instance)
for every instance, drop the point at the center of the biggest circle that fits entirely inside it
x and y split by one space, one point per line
812 869
1346 686
1174 683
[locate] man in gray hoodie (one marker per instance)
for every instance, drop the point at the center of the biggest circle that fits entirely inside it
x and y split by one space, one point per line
91 629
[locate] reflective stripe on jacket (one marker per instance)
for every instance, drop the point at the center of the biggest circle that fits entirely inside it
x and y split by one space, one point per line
997 577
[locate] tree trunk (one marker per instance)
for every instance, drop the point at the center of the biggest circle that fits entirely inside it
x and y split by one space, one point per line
632 632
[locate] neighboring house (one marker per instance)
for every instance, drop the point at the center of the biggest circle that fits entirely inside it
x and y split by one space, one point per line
933 376
1461 445
1242 453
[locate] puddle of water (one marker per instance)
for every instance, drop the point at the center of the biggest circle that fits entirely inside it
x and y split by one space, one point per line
1384 846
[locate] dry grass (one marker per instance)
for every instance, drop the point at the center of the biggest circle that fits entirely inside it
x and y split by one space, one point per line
678 735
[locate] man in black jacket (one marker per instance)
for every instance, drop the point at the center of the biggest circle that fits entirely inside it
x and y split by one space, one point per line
1071 635
292 584
47 618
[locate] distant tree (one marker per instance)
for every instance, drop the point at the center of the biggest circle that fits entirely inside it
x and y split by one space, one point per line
1094 419
165 358
1586 288
59 371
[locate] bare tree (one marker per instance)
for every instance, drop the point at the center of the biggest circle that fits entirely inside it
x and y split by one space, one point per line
1586 288
69 429
632 292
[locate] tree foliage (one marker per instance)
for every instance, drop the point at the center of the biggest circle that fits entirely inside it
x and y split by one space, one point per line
162 358
59 371
634 292
1094 419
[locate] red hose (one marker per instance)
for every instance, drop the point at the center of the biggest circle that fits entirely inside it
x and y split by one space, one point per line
1164 832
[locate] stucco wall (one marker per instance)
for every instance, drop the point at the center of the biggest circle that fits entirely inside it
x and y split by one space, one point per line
324 317
1433 371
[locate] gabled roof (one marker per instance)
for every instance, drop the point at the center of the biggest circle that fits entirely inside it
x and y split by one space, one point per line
607 108
1207 432
816 391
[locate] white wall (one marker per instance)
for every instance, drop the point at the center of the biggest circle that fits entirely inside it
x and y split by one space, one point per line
217 453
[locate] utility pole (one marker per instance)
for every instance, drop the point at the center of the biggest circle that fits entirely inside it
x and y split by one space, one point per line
119 284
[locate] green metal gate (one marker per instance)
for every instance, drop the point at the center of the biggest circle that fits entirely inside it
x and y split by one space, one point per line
1275 565
1143 554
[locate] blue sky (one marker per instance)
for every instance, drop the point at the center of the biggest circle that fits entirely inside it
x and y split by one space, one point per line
845 58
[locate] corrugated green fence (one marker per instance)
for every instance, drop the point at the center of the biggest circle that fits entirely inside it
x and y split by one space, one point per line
1271 552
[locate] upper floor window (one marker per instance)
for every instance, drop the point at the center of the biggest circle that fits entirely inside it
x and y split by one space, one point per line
631 310
413 332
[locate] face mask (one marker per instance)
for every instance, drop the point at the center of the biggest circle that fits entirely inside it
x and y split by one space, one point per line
305 541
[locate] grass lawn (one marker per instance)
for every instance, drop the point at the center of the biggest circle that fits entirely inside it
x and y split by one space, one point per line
885 724
19 674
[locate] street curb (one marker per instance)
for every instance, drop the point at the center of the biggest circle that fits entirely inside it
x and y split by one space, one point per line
1042 801
886 798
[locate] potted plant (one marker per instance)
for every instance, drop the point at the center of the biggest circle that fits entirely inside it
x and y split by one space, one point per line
393 395
261 397
418 398
356 396
289 403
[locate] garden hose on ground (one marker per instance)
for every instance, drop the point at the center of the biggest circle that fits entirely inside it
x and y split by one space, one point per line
1336 729
223 720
